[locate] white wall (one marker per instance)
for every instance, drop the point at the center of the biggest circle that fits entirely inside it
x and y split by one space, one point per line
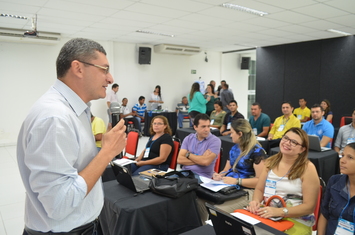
28 70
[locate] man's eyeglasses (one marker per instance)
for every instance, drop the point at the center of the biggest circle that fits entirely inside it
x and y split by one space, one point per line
293 143
106 69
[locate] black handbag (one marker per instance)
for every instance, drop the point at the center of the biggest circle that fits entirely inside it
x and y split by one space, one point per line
219 197
174 184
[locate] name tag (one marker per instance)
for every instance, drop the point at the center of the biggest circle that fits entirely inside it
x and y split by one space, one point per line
350 140
270 188
255 131
229 126
146 153
281 128
344 227
299 116
212 121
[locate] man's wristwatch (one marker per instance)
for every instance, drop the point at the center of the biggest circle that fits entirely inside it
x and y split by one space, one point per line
187 155
285 212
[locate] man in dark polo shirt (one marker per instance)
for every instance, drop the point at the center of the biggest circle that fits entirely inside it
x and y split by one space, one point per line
232 115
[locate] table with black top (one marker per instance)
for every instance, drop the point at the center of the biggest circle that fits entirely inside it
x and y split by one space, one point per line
183 132
126 212
171 116
326 162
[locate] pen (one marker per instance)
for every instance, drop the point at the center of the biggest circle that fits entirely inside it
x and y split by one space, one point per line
223 172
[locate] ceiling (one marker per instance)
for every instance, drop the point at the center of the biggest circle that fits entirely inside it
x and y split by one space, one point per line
201 23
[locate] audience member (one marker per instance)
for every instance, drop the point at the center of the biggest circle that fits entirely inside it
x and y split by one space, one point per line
210 104
217 115
319 126
159 149
226 96
213 83
56 152
291 176
156 99
98 129
260 122
138 111
282 124
244 165
197 101
303 113
127 115
182 110
346 135
232 115
328 114
199 150
338 205
110 98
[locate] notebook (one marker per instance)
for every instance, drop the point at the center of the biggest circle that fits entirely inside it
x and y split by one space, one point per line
314 144
225 223
137 184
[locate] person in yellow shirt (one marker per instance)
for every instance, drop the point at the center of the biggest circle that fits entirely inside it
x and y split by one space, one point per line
284 122
98 129
303 113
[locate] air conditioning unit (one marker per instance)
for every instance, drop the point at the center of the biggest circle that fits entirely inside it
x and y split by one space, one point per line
17 35
176 49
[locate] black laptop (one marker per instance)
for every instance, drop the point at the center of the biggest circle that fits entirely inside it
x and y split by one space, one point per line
137 184
225 223
314 144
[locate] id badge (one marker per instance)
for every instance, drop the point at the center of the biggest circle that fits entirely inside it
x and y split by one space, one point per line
270 188
255 131
146 153
299 116
228 126
350 140
212 121
344 227
281 128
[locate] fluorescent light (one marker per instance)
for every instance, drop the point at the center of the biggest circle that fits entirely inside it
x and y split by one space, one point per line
244 9
13 16
338 32
161 34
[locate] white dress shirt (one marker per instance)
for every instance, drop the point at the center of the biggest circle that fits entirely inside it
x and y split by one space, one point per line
54 144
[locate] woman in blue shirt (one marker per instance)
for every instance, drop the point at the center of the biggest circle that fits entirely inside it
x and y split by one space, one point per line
338 203
245 164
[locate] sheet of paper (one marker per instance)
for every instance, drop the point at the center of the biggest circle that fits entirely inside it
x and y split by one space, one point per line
211 184
246 218
260 138
123 161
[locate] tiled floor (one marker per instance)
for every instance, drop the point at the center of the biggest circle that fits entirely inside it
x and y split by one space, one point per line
12 192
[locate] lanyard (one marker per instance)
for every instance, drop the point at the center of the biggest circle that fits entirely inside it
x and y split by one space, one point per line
275 174
152 142
283 121
347 204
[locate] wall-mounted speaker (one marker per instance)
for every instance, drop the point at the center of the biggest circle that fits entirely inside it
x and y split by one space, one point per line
245 63
144 55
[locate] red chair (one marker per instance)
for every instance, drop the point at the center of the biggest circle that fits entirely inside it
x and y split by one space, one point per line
218 162
132 144
345 120
174 157
317 208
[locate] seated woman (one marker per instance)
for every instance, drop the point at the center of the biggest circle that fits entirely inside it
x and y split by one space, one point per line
244 166
159 149
217 115
328 114
291 176
338 202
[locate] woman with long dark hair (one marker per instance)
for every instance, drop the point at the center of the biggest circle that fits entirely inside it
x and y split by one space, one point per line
197 101
328 114
156 99
210 103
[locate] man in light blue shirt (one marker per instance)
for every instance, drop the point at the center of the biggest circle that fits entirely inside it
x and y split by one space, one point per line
58 161
319 126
